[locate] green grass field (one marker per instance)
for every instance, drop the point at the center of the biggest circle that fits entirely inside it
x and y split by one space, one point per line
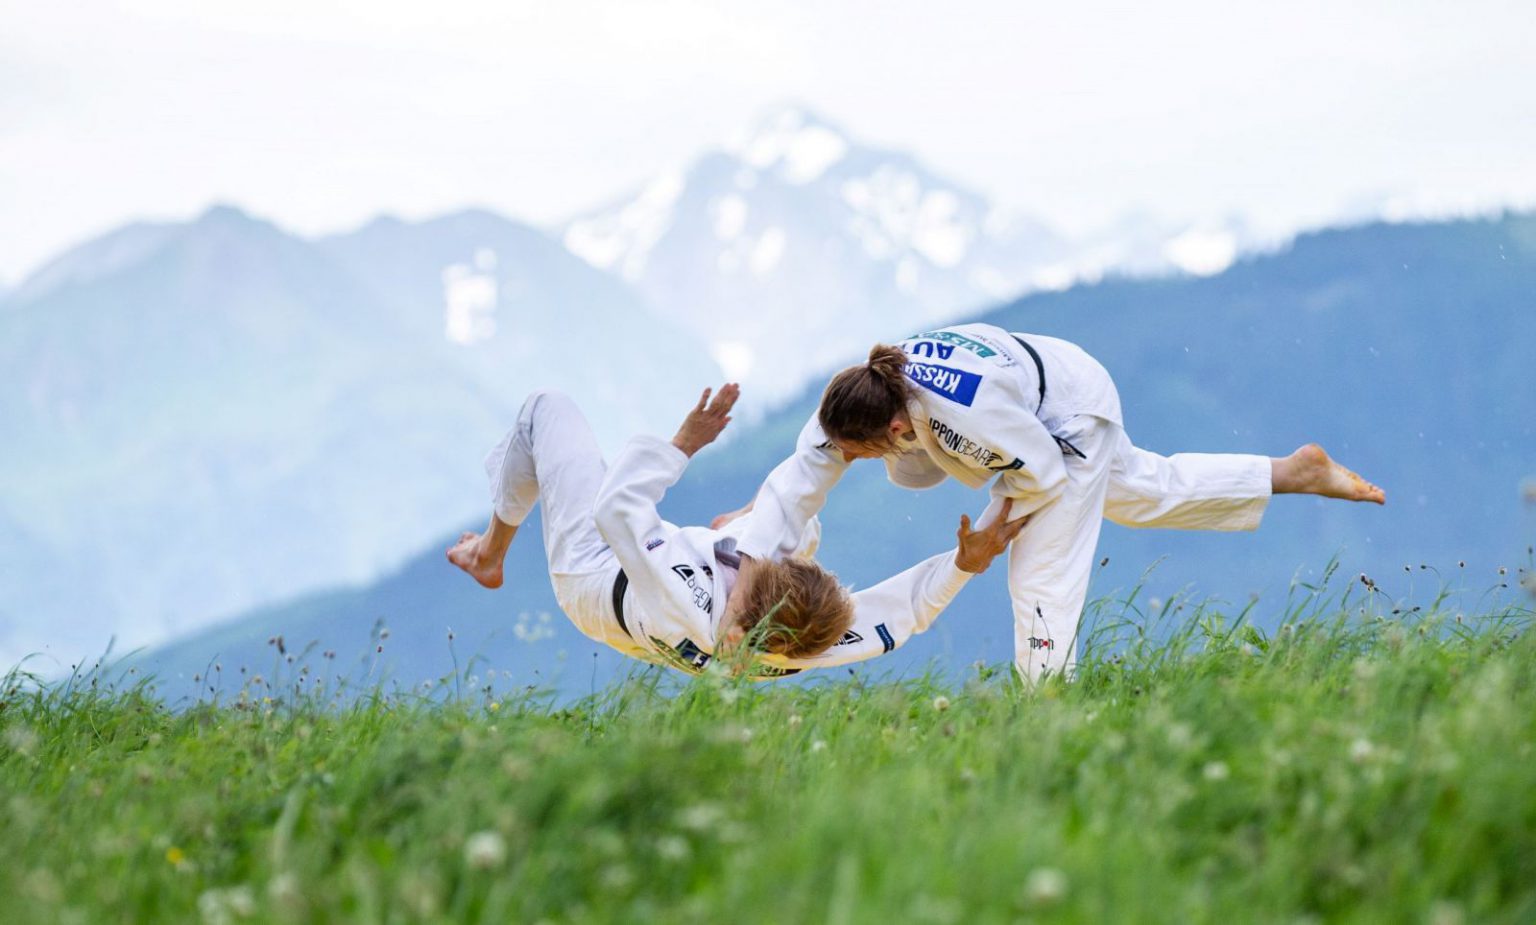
1358 769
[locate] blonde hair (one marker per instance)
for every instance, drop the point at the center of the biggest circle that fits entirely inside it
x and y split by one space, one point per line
795 608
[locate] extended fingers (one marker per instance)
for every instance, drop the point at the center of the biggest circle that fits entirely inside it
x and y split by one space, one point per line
726 399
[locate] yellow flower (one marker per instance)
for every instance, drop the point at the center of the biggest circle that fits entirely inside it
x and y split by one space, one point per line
175 856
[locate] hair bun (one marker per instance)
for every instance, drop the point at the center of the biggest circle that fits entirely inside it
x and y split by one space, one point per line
888 363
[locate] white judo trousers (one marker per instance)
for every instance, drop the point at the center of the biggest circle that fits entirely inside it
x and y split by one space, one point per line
564 469
1051 561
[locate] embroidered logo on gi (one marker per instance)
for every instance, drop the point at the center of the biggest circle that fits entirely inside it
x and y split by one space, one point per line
849 638
959 340
701 595
1035 642
886 639
957 385
654 544
961 445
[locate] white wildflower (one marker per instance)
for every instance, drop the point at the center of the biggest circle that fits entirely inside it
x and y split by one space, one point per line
794 720
1216 771
485 850
1446 913
701 817
1045 886
818 745
672 848
1361 750
941 703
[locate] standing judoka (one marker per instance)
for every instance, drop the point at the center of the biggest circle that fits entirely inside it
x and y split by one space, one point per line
1040 419
680 596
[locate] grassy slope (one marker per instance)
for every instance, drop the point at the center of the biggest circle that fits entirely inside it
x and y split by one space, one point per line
1362 770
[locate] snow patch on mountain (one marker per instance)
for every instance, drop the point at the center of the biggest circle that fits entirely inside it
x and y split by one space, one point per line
621 240
469 297
798 146
1202 252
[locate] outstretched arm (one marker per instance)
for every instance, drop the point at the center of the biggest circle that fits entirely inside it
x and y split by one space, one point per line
625 508
793 493
893 611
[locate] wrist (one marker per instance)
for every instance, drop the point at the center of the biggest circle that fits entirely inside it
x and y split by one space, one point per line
687 449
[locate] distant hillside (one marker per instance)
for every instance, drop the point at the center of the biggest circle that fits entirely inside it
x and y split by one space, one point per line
202 417
1405 349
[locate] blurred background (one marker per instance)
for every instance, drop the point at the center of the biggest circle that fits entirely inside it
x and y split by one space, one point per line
273 277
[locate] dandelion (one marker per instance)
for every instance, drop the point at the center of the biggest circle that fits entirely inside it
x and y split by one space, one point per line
1361 750
941 703
175 857
493 706
1045 886
485 850
1446 913
1216 771
819 745
794 720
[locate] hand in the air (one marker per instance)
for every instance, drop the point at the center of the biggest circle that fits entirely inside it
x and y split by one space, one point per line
707 419
979 547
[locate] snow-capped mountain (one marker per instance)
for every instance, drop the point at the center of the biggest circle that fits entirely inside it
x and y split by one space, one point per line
200 417
794 247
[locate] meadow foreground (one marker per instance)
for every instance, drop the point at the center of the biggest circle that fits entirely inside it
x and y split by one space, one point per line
1361 770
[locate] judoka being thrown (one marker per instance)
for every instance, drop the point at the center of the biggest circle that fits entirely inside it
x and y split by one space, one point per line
682 596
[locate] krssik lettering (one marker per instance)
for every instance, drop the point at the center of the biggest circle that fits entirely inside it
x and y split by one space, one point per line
701 595
961 445
957 385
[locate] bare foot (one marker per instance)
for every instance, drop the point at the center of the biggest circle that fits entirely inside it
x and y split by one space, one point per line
482 564
1310 471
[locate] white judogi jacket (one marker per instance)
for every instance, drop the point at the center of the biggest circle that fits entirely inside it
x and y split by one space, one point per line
977 416
677 588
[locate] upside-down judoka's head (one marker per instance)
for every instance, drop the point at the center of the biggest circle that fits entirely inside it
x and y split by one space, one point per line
793 608
864 409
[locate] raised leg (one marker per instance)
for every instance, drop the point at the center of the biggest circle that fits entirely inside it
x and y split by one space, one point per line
550 456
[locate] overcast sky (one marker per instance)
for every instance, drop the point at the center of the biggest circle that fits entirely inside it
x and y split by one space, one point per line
319 114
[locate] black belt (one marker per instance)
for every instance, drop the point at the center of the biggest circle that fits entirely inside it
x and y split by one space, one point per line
620 585
1039 368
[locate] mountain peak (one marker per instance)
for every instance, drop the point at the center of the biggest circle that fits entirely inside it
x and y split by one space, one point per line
797 142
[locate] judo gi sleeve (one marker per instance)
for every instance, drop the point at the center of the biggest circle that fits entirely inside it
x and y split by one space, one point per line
793 493
887 615
626 515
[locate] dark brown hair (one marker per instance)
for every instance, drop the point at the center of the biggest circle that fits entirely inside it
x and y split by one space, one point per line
805 609
861 401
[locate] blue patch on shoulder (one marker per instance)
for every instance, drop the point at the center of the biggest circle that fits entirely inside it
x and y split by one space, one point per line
885 637
957 385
